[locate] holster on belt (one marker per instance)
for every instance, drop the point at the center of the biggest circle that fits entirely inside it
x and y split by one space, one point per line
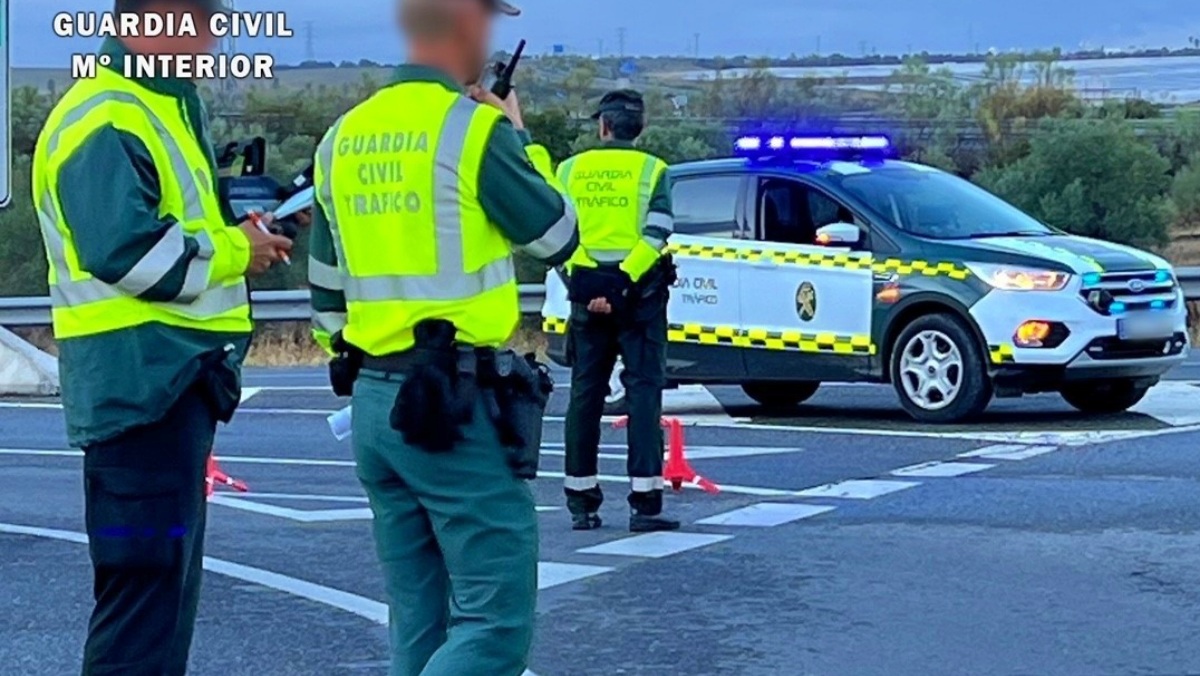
219 380
439 390
516 391
344 368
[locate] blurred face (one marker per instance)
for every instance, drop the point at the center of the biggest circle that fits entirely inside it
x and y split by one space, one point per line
473 33
173 10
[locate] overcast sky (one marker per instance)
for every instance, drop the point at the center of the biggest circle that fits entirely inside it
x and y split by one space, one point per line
356 29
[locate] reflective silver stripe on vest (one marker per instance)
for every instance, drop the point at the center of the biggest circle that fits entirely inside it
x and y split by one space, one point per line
68 293
325 189
558 237
156 264
661 222
196 280
193 208
646 190
323 275
451 281
329 322
608 255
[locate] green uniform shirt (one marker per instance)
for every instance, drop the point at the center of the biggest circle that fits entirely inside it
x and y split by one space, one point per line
110 192
513 194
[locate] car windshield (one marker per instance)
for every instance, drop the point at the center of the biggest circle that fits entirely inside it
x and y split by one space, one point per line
934 204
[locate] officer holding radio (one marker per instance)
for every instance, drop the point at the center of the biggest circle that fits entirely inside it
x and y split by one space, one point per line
423 191
619 285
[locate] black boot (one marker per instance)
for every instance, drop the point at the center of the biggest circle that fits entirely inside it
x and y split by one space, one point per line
588 521
645 523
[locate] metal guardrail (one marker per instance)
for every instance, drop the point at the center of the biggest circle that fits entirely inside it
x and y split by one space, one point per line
285 306
269 306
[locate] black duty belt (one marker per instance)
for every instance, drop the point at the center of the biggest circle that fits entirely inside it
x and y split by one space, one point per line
396 362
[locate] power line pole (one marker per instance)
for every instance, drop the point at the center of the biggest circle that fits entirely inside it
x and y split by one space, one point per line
229 48
600 51
310 51
621 42
696 50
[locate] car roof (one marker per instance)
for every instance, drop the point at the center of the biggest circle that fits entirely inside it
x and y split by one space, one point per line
807 167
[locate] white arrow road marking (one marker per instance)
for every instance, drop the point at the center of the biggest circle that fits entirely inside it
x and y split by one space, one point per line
1009 452
765 515
1171 402
857 489
655 545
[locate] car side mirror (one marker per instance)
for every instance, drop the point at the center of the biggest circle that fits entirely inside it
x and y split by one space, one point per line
837 234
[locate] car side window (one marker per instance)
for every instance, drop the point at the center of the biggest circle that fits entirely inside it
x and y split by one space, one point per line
706 206
790 212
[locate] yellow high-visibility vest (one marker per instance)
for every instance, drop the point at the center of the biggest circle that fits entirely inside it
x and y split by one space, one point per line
611 189
398 180
214 295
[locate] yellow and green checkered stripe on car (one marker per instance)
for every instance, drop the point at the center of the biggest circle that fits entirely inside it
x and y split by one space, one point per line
761 339
1002 354
818 259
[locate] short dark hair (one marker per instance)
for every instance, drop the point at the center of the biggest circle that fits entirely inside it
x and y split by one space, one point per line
624 125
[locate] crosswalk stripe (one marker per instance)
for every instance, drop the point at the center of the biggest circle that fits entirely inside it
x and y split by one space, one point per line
941 469
765 515
655 545
857 489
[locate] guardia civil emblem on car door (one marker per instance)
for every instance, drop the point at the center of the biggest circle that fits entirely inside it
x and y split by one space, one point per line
806 301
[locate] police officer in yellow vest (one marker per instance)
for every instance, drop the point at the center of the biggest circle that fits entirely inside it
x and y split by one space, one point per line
619 284
422 195
152 318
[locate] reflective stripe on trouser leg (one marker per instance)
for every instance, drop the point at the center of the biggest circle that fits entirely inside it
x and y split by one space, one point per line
580 483
645 484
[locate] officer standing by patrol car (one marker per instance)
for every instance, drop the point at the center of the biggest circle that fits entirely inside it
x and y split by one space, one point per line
619 286
152 317
422 194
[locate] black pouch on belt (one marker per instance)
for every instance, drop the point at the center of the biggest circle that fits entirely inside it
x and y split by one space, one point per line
221 382
518 390
438 394
344 368
607 282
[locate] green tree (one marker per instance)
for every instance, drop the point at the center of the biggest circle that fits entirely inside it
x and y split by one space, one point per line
22 256
1090 177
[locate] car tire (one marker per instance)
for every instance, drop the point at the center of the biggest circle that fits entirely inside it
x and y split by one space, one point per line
781 394
939 370
1104 397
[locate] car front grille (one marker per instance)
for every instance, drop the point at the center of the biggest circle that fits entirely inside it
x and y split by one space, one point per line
1114 348
1132 291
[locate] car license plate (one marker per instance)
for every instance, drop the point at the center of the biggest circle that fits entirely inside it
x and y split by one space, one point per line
1145 327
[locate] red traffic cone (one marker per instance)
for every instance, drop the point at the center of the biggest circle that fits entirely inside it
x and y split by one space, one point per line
677 470
216 476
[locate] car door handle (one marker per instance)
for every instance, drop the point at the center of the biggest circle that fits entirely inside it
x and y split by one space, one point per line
764 264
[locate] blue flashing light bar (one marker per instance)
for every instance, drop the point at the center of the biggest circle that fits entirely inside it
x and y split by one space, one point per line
1158 305
1091 279
1117 308
1162 276
759 145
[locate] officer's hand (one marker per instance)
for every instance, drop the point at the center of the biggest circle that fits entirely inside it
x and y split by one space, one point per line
600 306
510 106
265 249
304 218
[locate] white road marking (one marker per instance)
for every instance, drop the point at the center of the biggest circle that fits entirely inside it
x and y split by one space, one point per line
857 489
249 392
655 545
552 574
300 515
941 469
1009 452
335 598
1171 402
765 515
693 452
725 488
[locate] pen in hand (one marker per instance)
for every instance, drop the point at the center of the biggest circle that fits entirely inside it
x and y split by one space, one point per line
256 219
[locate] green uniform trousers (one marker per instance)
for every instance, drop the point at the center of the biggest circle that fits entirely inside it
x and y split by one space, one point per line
457 537
640 338
145 511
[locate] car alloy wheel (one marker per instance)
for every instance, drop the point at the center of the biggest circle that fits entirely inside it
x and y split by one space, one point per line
931 370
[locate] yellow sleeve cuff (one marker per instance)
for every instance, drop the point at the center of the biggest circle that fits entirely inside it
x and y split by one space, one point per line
640 260
231 254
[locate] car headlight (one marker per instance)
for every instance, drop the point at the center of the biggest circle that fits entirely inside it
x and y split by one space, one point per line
1016 278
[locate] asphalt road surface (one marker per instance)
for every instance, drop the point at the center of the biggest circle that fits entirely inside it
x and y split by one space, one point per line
845 540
